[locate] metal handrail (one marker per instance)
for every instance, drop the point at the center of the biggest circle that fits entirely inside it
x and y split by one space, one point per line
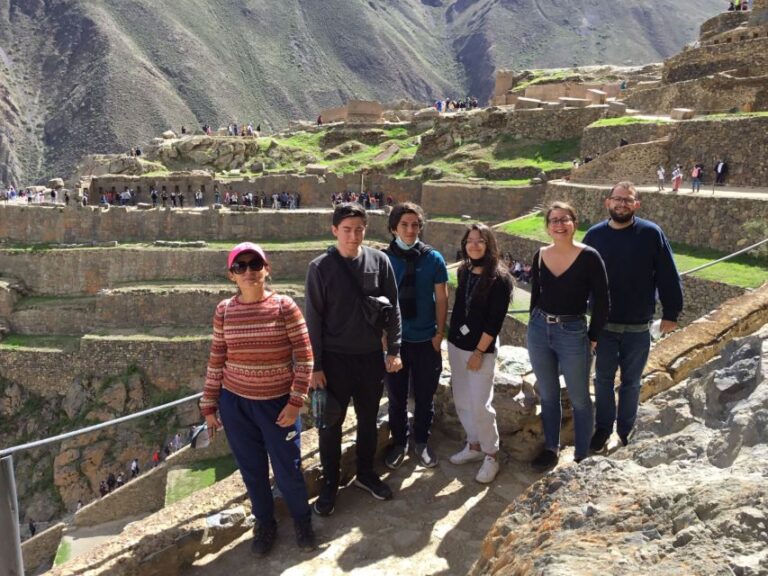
724 258
99 426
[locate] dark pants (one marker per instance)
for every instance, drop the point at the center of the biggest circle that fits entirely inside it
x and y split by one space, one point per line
421 368
356 377
256 440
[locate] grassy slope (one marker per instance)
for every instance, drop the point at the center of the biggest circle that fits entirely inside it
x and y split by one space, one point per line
741 271
198 476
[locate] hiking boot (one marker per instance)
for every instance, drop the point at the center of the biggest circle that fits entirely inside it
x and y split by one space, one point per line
546 460
426 455
305 536
326 501
488 470
263 539
395 456
374 485
466 455
599 438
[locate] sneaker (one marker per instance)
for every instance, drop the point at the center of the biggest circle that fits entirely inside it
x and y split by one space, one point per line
375 486
426 455
326 501
263 539
624 439
599 438
395 456
546 460
466 455
488 470
305 536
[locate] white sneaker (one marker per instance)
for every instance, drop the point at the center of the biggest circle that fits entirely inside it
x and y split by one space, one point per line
466 455
488 470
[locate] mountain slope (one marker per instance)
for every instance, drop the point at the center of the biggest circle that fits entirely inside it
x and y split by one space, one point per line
102 75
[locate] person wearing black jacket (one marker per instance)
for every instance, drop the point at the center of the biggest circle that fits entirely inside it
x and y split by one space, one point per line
482 300
565 276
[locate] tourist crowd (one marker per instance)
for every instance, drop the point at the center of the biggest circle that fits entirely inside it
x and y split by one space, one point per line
375 320
449 105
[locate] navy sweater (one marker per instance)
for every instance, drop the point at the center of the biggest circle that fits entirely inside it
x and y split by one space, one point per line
638 260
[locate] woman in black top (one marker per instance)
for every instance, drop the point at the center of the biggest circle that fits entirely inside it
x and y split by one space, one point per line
482 299
565 275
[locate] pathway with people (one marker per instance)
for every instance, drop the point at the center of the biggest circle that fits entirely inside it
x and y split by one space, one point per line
685 190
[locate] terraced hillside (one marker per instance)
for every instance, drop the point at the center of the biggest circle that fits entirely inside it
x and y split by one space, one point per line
101 76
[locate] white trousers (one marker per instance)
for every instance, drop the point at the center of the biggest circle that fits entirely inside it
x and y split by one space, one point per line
472 396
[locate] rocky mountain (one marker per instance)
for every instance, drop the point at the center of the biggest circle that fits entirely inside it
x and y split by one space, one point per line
90 76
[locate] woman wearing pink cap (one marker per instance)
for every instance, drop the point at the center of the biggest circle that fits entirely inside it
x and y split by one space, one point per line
258 375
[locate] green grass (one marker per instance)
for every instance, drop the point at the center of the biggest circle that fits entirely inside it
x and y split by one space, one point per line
198 476
626 120
744 271
731 115
50 343
63 553
544 76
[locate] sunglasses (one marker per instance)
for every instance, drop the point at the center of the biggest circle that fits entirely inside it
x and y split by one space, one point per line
240 267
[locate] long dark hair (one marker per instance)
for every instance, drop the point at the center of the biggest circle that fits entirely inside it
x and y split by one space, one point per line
491 265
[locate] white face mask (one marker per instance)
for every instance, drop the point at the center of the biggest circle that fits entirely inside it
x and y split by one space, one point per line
402 244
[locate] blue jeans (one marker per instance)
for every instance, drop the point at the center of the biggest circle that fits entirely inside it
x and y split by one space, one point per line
629 352
562 348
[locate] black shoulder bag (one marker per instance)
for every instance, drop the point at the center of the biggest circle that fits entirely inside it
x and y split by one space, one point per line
377 310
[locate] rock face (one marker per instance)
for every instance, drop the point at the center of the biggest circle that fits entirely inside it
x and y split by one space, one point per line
687 496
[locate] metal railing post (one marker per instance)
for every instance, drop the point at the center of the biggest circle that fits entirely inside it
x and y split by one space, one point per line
11 562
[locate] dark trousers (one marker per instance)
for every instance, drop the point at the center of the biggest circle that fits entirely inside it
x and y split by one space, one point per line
359 378
421 369
256 440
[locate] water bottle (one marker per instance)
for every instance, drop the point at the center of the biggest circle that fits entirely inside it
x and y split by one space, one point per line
656 330
319 397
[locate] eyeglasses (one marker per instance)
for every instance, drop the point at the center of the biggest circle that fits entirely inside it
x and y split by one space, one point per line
240 267
563 220
480 241
622 200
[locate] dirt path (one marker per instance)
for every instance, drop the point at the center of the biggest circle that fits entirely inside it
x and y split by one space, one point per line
434 525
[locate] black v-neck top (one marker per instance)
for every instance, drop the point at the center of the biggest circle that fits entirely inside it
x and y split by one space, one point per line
583 283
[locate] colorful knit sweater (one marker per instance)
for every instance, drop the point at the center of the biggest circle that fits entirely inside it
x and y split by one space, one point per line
260 351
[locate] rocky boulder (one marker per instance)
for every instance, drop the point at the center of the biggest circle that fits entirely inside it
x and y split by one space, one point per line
687 496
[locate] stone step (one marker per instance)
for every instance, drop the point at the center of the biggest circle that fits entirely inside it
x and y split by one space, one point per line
130 306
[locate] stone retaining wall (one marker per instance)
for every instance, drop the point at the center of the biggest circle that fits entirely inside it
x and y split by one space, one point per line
602 139
38 224
146 492
721 23
700 220
87 271
635 162
170 364
750 55
40 550
720 92
139 309
703 296
481 202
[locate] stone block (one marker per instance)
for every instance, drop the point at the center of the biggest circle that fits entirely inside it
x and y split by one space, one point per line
569 102
169 135
596 96
527 103
681 114
56 183
617 108
317 169
552 105
426 113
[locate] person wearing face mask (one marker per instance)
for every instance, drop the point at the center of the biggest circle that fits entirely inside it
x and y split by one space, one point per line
257 379
482 299
422 283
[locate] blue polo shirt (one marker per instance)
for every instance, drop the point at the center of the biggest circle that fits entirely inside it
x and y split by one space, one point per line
430 270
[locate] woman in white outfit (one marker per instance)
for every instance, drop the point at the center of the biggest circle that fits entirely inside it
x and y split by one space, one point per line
482 299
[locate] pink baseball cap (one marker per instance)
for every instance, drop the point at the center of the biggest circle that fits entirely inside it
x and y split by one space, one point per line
244 248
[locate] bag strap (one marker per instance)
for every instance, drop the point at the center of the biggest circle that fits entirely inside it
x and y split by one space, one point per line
334 253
